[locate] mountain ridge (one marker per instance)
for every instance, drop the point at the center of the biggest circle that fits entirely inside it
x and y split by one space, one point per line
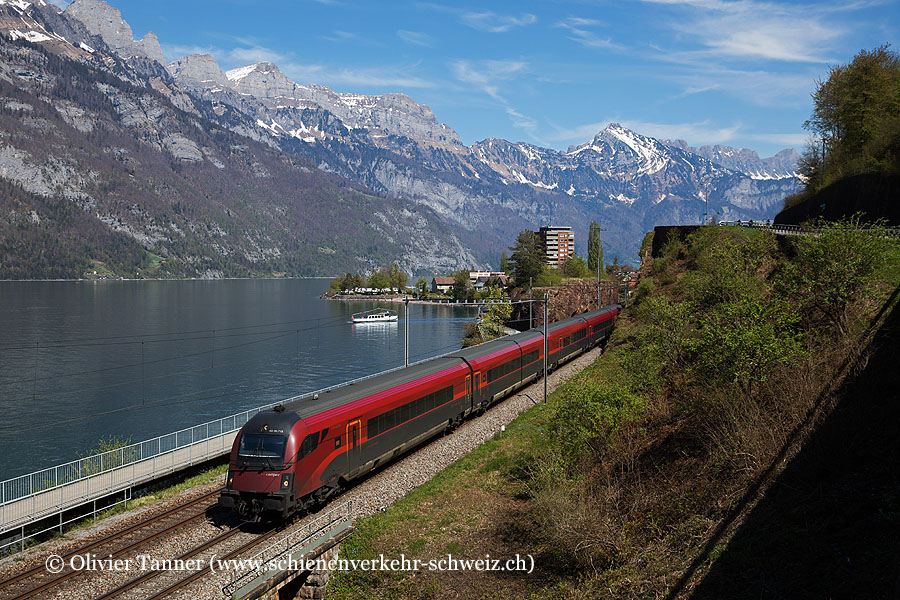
485 192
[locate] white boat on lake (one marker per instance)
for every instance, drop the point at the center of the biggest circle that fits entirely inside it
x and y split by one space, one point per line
378 315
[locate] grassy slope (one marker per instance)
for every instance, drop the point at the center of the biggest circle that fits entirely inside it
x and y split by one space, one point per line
674 453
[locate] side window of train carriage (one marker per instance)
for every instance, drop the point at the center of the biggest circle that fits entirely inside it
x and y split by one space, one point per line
309 444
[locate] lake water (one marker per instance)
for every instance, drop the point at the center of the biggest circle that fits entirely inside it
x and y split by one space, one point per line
81 361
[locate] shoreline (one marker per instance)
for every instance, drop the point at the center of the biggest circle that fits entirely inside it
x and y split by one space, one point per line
400 300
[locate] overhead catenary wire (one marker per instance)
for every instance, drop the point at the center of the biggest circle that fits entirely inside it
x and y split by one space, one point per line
185 398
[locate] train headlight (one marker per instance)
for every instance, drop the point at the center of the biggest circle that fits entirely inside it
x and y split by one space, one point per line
229 479
286 480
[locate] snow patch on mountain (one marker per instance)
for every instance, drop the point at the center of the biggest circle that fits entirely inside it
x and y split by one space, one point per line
241 72
622 198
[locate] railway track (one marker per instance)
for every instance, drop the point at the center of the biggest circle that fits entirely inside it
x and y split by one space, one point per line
155 585
38 581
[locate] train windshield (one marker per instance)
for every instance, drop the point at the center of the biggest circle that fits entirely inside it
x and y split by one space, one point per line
262 445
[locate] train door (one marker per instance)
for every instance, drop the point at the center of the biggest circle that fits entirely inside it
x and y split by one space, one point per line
353 441
476 378
469 390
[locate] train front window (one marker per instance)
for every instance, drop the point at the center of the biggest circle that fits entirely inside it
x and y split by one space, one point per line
262 446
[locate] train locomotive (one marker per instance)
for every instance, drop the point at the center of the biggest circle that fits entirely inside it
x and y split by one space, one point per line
300 454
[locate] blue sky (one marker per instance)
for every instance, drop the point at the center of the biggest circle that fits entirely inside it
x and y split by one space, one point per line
552 73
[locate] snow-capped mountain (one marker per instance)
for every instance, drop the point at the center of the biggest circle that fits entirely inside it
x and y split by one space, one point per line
39 22
397 147
106 160
620 151
781 166
275 97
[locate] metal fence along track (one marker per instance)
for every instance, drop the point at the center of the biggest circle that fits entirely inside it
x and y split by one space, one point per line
28 498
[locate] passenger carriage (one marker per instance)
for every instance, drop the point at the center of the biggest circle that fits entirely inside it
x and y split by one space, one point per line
306 451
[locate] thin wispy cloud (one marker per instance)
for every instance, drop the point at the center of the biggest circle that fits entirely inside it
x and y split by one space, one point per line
416 38
348 37
749 29
340 36
523 122
494 23
487 76
795 140
577 28
758 87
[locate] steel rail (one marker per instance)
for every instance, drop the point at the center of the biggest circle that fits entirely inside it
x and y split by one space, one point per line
187 555
41 568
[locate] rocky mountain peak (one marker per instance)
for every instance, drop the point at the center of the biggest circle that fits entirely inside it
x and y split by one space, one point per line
623 146
198 70
392 114
106 21
149 45
262 80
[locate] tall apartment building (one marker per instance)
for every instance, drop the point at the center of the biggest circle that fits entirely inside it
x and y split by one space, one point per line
558 242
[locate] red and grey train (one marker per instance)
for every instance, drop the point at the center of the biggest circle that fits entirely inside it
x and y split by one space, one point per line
300 454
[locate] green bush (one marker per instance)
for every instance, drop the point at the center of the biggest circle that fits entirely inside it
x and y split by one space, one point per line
743 340
834 268
588 413
643 290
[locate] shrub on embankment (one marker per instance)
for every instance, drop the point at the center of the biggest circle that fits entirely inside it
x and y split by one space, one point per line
706 378
631 481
